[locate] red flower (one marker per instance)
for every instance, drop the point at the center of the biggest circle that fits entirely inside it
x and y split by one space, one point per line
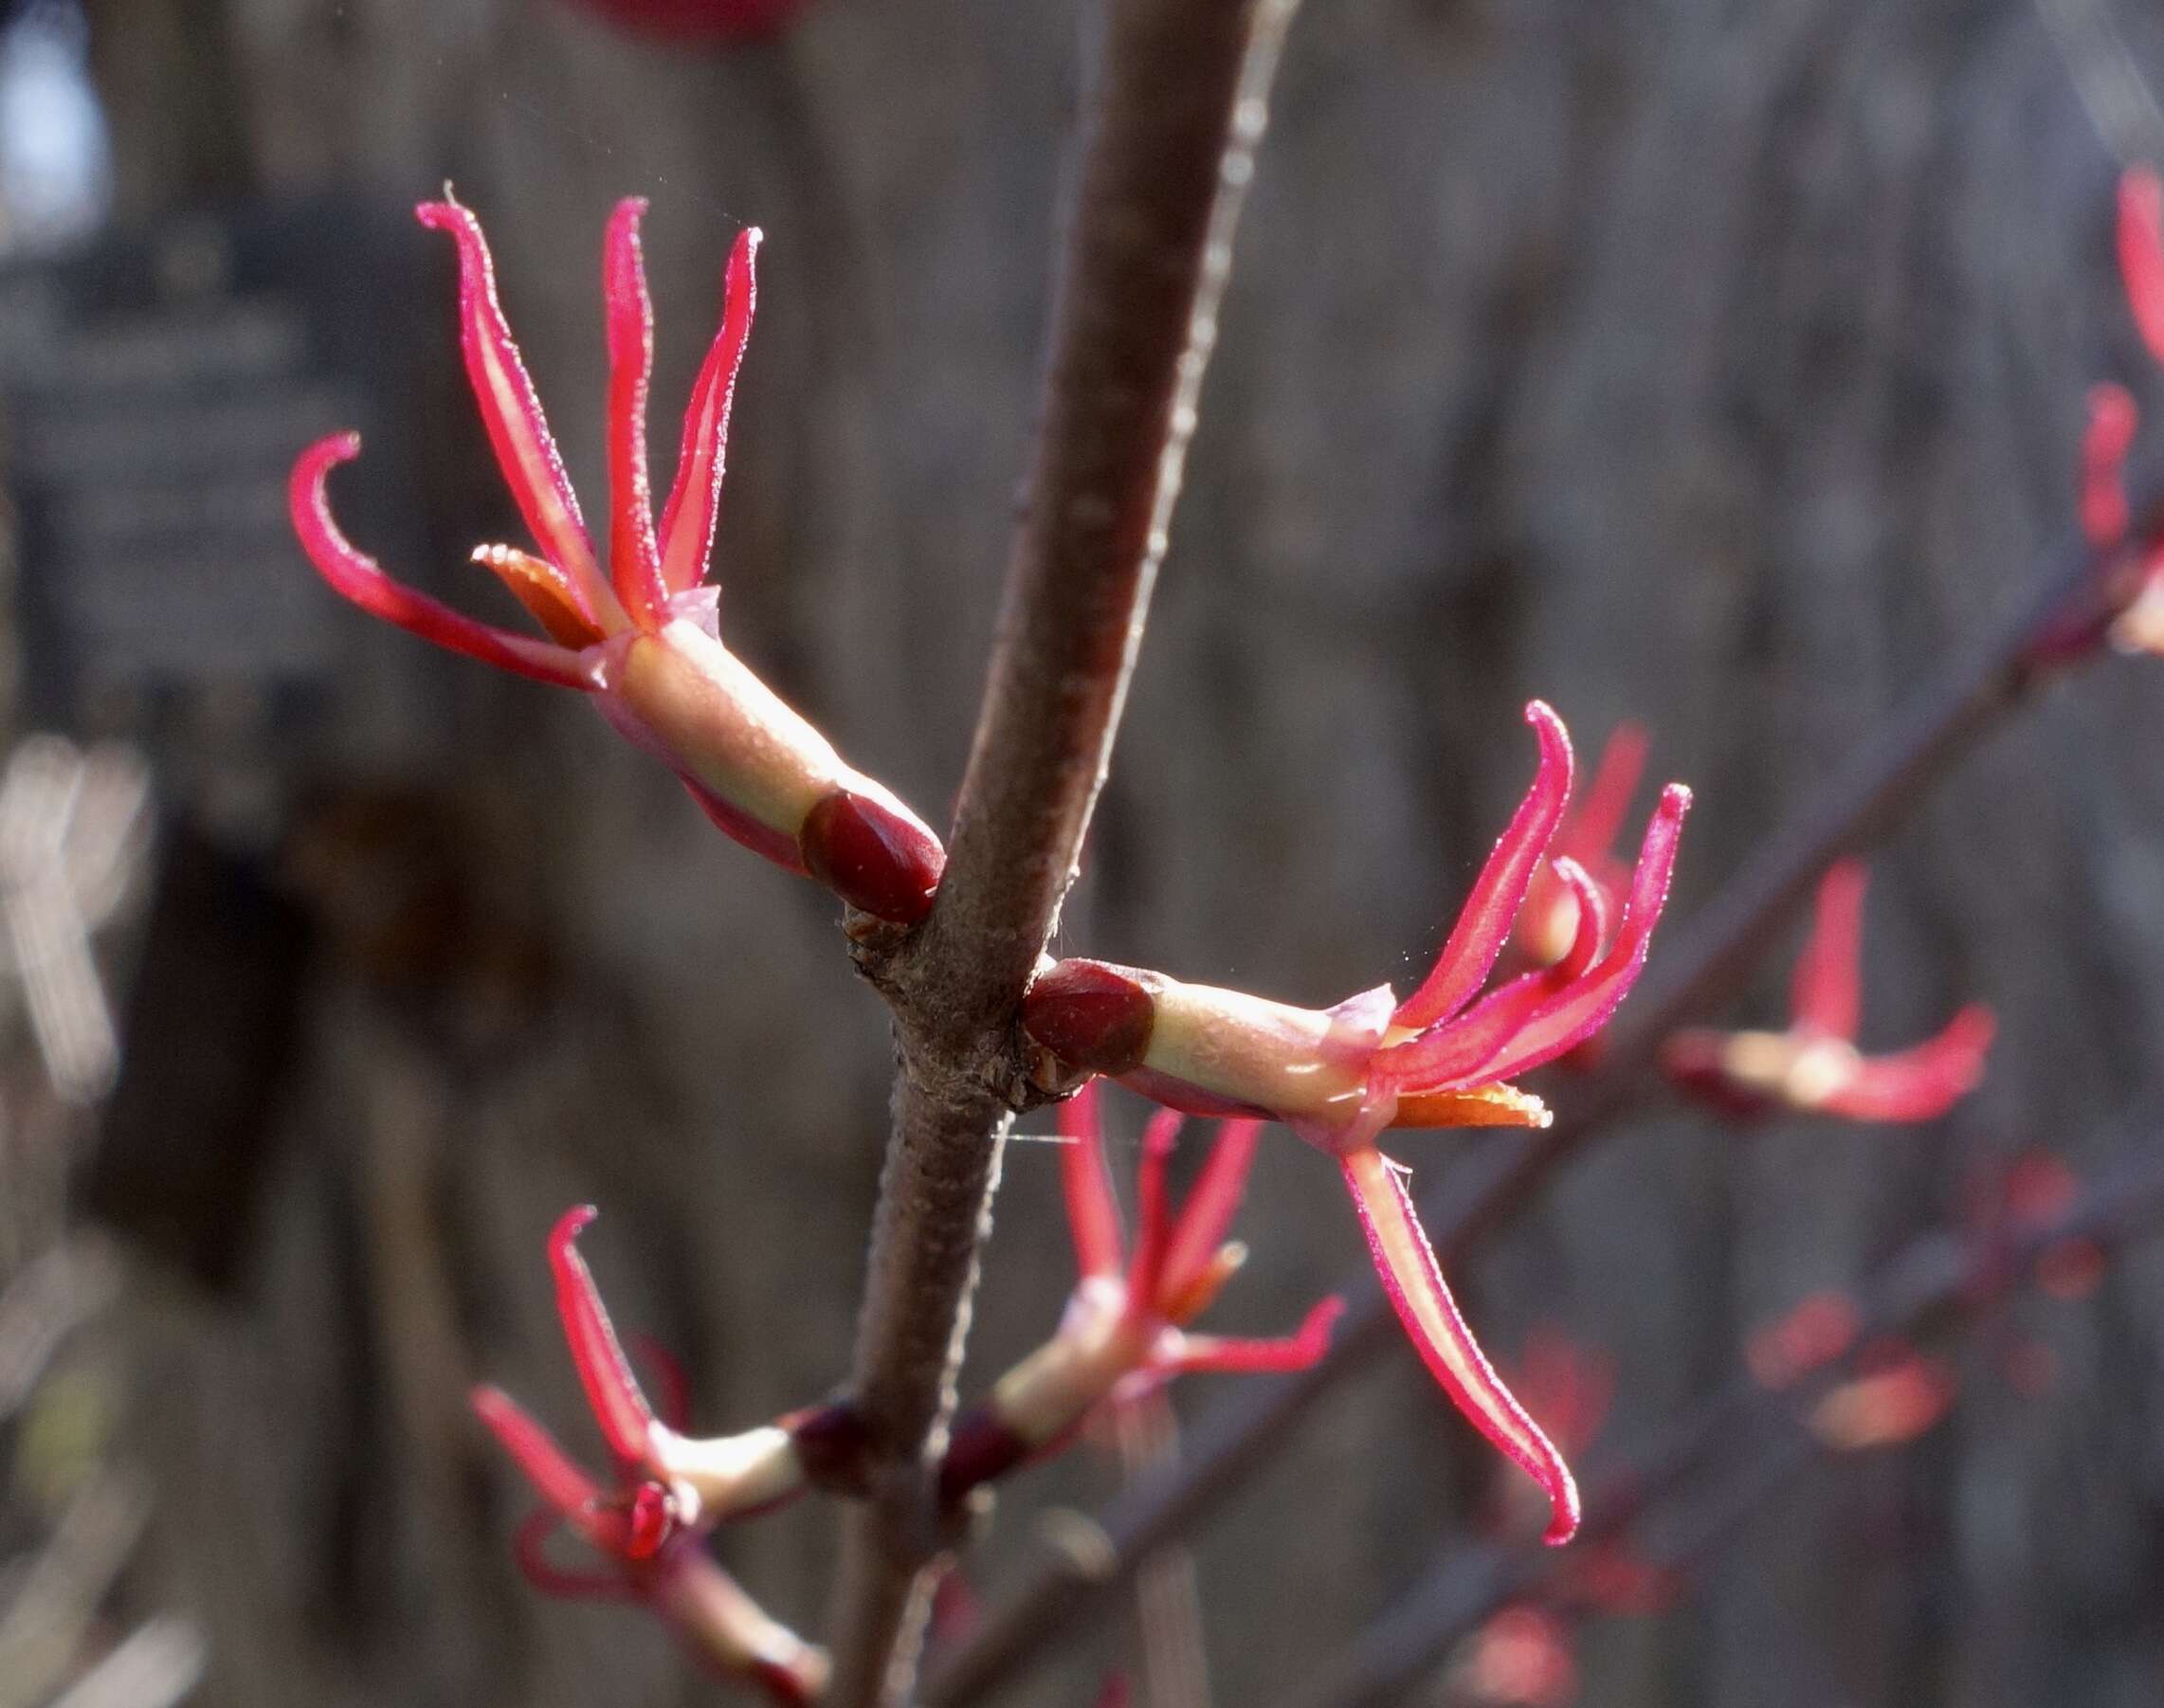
1814 1065
2113 417
1340 1077
1126 1324
643 639
669 1491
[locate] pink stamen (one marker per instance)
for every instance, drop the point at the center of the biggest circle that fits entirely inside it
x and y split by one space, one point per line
694 505
2141 252
361 579
1093 1218
1211 1206
1152 1219
1406 1264
2105 441
1591 928
1483 928
1593 829
1582 1009
1922 1082
1297 1351
634 560
567 1489
611 1389
511 411
1826 990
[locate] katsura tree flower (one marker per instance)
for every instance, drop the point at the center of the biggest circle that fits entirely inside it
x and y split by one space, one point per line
1442 1058
1815 1065
1126 1324
643 637
1548 923
2112 419
1897 1394
669 1490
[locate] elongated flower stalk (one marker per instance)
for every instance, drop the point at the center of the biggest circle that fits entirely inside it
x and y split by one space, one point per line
1126 1324
1815 1065
1442 1058
642 637
670 1489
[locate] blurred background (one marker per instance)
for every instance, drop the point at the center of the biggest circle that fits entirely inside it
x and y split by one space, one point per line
1719 366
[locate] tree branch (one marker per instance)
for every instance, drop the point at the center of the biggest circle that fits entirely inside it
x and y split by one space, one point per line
1166 151
2056 623
1940 1279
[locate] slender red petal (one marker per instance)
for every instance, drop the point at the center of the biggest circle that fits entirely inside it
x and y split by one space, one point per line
1406 1264
1483 927
2141 252
529 1546
1153 1216
1591 928
567 1489
1591 830
1093 1218
2101 499
1922 1083
1582 1009
1296 1350
610 1389
1211 1206
634 560
512 411
695 498
1827 993
361 578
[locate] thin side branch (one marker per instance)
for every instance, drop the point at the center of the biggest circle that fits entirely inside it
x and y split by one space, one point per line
2071 600
1166 151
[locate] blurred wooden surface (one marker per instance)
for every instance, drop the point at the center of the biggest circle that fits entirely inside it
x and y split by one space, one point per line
1712 366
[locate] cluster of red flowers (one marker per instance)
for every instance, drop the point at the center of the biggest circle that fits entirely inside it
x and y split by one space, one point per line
639 634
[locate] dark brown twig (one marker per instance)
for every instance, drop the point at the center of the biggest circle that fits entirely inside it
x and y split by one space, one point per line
1941 1280
1166 151
2055 624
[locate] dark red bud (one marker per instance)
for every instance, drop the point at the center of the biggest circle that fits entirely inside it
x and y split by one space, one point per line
833 1444
1091 1016
982 1448
872 857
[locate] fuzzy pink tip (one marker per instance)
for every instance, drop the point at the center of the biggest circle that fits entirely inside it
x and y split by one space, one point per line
634 560
511 409
1923 1082
1484 926
2141 252
1405 1263
1211 1205
1093 1219
1827 993
569 1490
694 505
610 1389
2105 441
361 578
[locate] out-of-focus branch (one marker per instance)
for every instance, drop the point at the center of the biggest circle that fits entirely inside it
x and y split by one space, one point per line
2059 621
1941 1280
1165 154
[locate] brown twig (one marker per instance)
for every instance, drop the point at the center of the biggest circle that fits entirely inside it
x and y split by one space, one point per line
1940 1279
2057 623
1166 151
